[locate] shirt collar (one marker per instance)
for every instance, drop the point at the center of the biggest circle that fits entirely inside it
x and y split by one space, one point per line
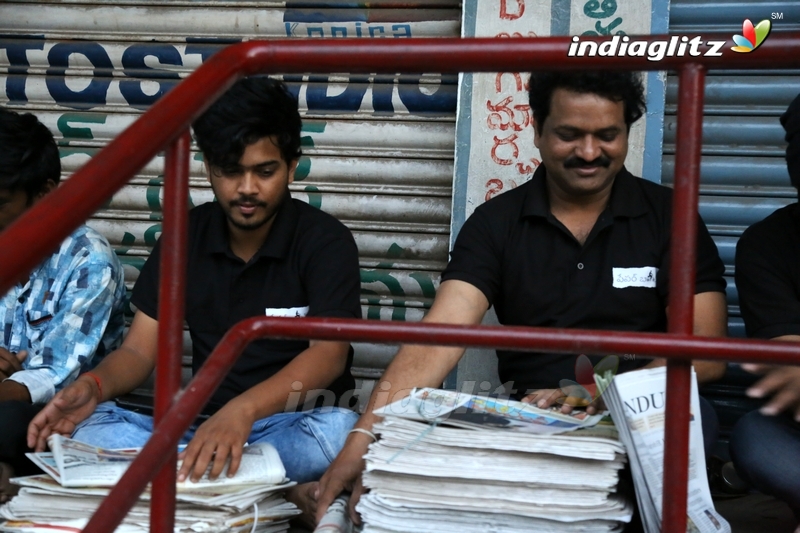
278 241
626 200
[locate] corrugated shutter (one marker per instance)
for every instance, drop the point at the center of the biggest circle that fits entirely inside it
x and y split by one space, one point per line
743 170
378 149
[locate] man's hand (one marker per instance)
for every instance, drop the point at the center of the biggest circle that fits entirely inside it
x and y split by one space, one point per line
218 438
10 362
70 406
546 398
780 382
344 474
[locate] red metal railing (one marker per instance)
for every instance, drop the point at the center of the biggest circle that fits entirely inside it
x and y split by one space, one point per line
166 124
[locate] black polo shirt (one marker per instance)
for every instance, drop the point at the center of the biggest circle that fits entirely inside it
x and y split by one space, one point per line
768 275
536 273
308 266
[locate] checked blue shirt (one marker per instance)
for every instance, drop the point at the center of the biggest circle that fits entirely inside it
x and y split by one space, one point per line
67 315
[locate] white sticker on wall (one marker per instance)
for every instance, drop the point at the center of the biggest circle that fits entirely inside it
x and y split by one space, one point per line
635 277
286 311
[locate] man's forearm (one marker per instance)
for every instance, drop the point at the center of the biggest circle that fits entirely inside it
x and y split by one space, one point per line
413 366
314 368
122 371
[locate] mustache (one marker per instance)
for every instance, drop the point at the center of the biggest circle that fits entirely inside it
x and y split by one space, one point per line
578 162
249 201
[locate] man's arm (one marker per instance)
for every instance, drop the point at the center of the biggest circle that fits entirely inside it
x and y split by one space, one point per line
120 372
456 302
225 434
11 363
710 320
70 337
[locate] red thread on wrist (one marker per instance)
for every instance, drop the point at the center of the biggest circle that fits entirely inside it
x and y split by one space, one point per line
99 385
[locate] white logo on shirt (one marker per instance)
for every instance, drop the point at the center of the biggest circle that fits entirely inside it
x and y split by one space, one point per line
286 311
634 277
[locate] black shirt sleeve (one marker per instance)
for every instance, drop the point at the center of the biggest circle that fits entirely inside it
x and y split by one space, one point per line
145 291
710 268
765 273
477 255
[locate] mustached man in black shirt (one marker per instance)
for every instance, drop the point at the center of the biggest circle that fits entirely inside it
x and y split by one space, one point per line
583 244
255 251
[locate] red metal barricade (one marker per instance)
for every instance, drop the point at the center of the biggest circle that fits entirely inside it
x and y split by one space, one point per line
165 126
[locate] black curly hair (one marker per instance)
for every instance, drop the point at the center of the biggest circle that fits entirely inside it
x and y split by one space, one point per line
252 109
28 153
625 87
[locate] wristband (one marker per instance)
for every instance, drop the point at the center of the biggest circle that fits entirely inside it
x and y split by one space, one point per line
365 432
99 385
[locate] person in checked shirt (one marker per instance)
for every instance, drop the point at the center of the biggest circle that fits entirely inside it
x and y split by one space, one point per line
62 317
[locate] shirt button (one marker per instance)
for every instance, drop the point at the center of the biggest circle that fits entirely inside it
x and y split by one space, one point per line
21 299
580 266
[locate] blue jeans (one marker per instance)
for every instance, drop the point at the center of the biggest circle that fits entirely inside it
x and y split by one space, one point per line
766 453
306 441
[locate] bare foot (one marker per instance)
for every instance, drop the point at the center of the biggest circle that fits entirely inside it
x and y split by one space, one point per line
7 489
303 497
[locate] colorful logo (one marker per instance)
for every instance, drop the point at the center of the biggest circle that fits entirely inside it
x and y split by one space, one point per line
584 390
751 37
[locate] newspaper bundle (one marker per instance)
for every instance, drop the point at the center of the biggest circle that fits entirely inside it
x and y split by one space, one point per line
452 462
79 476
637 403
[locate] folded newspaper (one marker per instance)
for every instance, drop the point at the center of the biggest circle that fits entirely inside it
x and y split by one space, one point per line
448 461
76 464
79 476
481 412
637 403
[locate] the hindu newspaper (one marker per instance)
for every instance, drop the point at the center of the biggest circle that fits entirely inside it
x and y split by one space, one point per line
637 403
76 464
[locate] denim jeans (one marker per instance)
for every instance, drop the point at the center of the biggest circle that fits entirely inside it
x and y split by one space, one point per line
306 441
766 453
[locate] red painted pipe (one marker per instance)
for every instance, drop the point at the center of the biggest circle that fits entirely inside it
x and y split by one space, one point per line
166 436
171 303
48 223
683 250
45 225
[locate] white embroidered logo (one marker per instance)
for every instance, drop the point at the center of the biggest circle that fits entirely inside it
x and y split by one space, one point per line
634 277
286 311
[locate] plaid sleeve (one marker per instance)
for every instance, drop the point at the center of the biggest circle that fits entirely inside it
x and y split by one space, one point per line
64 336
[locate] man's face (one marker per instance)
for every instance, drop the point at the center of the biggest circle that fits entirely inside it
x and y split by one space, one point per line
583 143
14 202
251 192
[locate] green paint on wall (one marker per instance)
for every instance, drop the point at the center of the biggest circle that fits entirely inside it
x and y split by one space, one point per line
425 283
314 197
303 169
72 132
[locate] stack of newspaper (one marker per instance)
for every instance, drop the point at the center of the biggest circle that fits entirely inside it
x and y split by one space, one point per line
448 461
79 476
637 401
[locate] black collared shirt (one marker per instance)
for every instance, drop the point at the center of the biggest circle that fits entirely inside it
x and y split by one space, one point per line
768 275
536 273
308 266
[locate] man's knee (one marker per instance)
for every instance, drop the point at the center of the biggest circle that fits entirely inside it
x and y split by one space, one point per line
766 452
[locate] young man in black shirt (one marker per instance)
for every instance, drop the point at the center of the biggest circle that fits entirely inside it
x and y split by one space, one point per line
765 444
582 244
255 251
